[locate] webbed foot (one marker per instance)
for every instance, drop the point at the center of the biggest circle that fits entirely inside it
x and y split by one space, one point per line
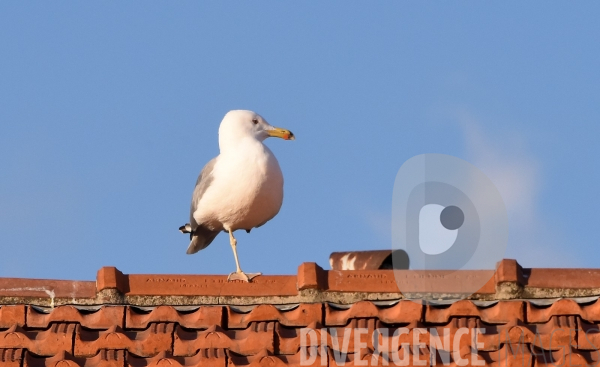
246 277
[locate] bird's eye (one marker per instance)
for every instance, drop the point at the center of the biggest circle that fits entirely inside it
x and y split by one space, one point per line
255 121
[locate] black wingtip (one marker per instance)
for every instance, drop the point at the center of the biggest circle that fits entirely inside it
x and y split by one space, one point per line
185 228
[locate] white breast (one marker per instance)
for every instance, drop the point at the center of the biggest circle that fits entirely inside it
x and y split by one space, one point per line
247 189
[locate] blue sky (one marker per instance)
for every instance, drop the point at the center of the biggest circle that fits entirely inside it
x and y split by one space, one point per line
109 111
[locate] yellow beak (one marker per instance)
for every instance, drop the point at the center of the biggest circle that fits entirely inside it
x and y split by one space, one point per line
284 134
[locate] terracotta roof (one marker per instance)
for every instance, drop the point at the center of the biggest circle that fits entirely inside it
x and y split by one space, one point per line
524 317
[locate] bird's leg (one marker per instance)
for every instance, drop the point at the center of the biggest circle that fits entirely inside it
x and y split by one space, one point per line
233 243
238 274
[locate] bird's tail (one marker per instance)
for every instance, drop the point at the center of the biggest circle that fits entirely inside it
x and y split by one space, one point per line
200 237
187 228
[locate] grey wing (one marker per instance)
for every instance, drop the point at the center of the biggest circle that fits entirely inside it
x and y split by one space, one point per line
205 178
200 236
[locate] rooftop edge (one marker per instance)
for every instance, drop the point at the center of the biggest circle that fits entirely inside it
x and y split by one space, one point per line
311 284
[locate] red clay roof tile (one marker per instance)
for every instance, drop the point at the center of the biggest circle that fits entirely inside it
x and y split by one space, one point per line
205 358
18 287
501 313
210 285
268 360
244 342
551 338
509 355
112 358
12 315
564 357
588 336
102 318
404 312
11 357
201 318
147 343
289 338
311 276
58 338
563 278
301 315
110 277
541 314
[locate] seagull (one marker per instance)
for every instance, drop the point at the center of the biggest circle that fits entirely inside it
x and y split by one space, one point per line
241 188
